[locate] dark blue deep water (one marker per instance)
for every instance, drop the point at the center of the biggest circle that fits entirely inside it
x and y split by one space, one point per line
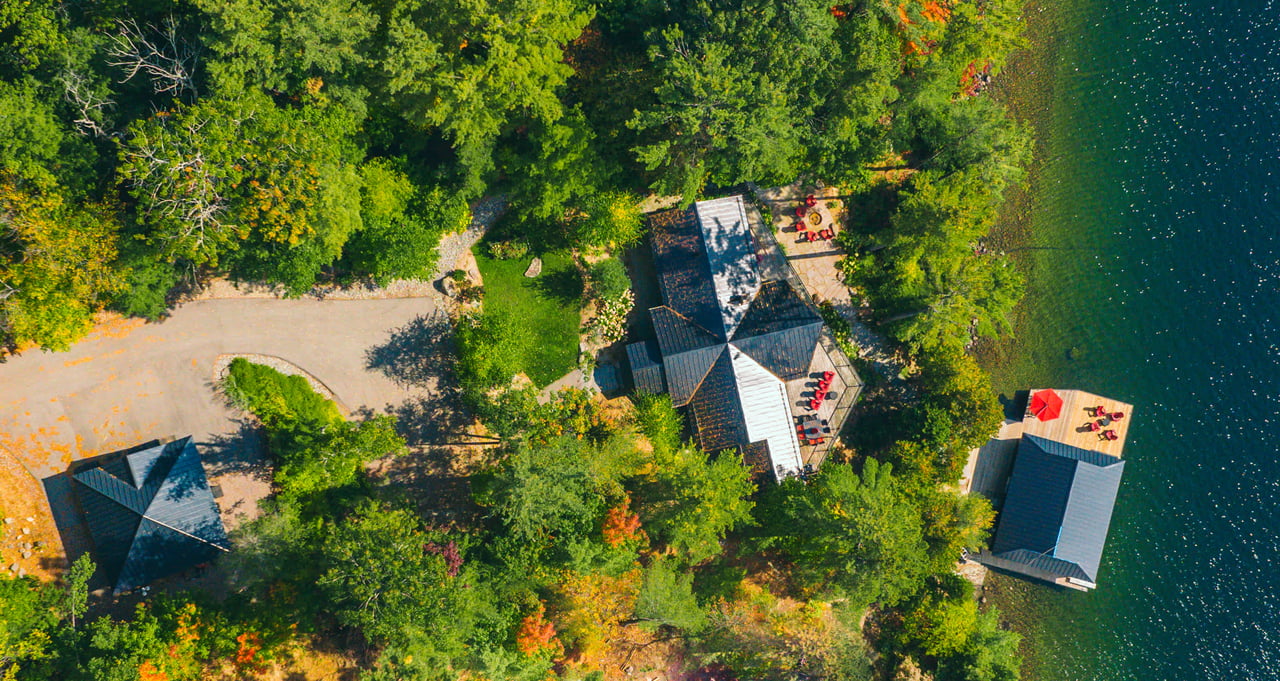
1153 253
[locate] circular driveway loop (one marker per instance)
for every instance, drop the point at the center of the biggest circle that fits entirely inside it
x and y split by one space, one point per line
131 382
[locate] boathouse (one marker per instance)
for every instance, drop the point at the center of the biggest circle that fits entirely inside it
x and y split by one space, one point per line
1066 475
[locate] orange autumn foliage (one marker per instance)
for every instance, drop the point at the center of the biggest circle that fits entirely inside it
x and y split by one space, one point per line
148 672
936 12
621 525
537 635
250 644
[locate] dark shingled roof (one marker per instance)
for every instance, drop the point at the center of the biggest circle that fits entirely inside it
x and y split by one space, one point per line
677 333
151 514
786 353
716 410
1058 508
687 370
777 307
646 367
684 274
756 458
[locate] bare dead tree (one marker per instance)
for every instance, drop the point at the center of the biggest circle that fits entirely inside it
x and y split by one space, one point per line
89 105
167 59
178 184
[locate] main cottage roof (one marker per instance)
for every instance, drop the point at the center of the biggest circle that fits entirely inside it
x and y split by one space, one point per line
151 514
726 338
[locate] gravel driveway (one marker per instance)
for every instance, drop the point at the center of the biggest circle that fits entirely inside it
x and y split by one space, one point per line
131 382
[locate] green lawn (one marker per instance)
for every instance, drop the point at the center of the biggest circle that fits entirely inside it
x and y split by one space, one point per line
548 305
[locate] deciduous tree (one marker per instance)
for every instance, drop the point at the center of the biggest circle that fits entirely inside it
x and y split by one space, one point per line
851 533
666 599
55 266
382 577
695 500
221 174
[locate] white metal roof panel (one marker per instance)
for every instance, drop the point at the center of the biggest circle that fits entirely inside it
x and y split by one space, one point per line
767 416
731 253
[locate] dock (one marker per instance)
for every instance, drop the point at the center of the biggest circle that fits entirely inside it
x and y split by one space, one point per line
1072 426
1054 477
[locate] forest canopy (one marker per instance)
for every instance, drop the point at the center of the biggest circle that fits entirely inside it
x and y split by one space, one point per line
148 147
293 143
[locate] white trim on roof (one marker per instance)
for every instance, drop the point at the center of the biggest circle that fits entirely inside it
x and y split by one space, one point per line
731 252
766 413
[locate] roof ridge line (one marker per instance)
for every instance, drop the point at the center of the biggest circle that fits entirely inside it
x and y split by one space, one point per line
161 523
695 324
710 366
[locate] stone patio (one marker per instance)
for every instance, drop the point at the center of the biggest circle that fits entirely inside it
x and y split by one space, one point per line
814 261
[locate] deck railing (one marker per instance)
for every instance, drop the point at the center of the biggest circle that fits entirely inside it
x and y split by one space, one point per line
774 265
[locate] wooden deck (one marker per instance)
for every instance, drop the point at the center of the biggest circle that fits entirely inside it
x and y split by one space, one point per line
987 470
1072 427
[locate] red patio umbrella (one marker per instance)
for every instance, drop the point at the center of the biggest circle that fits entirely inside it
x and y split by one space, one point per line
1046 405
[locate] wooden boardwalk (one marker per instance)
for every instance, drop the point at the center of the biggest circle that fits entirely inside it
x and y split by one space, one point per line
988 468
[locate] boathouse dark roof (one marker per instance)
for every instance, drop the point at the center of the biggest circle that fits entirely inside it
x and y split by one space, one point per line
150 513
1058 509
726 338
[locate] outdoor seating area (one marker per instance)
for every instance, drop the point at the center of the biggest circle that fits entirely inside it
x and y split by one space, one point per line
1101 419
812 430
815 405
1079 419
821 390
811 223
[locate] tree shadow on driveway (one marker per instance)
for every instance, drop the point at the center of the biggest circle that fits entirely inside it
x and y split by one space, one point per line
240 452
418 354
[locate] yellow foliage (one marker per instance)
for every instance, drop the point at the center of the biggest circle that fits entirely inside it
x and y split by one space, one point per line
591 609
63 270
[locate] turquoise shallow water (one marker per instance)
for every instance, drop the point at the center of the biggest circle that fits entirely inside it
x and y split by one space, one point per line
1154 253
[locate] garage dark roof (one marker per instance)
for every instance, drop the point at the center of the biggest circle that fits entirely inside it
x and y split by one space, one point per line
151 514
1058 509
646 367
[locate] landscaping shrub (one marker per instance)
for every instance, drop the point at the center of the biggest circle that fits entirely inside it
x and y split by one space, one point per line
608 279
610 323
508 250
275 398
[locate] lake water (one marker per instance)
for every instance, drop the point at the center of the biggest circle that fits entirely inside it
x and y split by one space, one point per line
1154 263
